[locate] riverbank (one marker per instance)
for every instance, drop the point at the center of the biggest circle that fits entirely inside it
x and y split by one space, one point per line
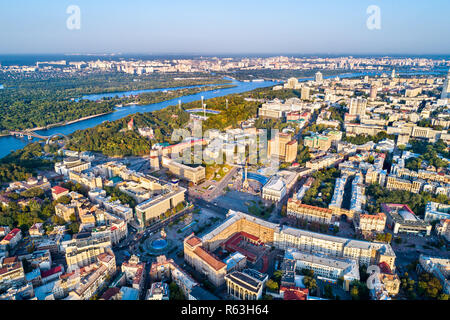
136 103
59 124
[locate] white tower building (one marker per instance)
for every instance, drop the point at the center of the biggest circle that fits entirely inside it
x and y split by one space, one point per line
446 88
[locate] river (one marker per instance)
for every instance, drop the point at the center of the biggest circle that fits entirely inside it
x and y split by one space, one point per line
9 143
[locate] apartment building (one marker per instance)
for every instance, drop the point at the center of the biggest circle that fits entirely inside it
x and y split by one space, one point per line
83 249
203 261
319 142
326 161
300 211
11 272
439 267
436 211
394 183
58 192
443 229
367 223
164 269
12 238
338 194
87 179
134 271
95 276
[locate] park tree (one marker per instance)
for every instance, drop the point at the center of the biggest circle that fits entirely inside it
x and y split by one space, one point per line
272 285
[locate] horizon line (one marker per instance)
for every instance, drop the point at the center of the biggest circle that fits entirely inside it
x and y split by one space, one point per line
225 53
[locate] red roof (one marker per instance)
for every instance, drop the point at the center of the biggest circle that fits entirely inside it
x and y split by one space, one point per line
232 244
48 273
249 236
11 234
209 258
294 293
306 206
193 241
385 268
10 260
58 190
109 293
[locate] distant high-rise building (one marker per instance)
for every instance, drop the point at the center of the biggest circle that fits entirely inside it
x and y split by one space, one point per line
285 148
305 93
319 77
373 92
291 83
446 88
357 107
393 74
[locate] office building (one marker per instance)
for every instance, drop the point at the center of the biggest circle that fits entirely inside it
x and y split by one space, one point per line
284 237
245 285
275 189
401 219
283 147
325 267
195 174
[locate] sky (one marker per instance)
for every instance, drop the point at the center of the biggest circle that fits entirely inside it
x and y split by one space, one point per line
225 27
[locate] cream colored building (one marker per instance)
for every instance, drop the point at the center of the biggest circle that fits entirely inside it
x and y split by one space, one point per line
88 180
275 189
301 211
284 147
245 285
203 261
443 229
324 162
84 249
394 183
329 268
95 276
370 222
357 129
152 209
195 175
319 142
391 283
287 237
65 211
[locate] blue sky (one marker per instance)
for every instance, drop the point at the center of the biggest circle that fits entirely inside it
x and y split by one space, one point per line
231 26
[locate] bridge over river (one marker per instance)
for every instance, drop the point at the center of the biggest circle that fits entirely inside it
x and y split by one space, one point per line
32 134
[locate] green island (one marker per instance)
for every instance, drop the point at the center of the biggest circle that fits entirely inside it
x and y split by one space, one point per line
37 102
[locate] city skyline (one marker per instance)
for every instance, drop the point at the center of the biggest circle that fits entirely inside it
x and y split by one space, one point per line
229 152
233 28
